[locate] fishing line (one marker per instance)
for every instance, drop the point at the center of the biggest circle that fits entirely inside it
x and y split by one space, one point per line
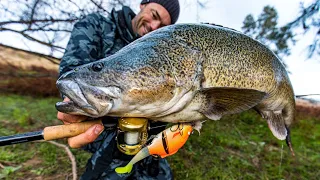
281 157
298 96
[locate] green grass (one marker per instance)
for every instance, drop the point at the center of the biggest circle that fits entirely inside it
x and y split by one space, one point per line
236 147
19 114
242 147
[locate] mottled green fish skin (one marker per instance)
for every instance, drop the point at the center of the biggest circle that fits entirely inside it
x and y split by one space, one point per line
204 56
191 58
232 59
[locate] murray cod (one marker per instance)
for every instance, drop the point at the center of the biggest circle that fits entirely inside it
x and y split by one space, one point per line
184 73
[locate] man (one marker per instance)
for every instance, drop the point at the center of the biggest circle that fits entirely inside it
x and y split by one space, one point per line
94 38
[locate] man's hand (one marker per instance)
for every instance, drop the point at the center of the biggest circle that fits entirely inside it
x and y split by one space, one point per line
82 139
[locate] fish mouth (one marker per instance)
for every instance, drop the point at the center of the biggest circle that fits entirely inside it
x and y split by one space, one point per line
85 99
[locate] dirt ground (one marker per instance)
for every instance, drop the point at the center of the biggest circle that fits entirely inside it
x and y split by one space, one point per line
27 73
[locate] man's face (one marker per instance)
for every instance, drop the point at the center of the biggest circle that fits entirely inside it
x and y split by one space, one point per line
151 17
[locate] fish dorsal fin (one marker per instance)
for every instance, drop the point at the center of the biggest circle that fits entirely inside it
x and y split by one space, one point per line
224 100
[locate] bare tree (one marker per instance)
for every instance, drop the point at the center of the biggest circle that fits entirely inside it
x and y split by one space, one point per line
309 18
200 6
49 22
266 29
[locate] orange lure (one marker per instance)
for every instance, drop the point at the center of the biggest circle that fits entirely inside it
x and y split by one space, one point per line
166 143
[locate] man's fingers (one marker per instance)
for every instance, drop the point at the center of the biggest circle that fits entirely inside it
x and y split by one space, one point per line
69 118
87 137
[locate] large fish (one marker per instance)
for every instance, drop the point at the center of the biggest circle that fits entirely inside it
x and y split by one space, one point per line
184 73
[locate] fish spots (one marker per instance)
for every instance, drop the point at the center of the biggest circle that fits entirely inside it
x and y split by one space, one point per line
152 94
143 73
231 58
166 80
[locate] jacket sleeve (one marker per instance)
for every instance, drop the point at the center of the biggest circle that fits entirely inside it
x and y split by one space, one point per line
91 38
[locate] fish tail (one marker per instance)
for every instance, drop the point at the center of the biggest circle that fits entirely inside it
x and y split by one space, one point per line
288 141
289 116
279 122
276 123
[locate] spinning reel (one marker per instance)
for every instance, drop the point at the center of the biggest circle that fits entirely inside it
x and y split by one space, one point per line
132 135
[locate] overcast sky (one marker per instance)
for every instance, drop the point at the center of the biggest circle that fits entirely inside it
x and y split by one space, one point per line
231 13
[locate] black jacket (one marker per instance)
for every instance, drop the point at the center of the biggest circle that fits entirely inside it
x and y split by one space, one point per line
94 38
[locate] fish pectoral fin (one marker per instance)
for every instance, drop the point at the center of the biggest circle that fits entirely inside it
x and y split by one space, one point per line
222 101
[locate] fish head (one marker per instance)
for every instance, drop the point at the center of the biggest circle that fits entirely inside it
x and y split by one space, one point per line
131 81
89 91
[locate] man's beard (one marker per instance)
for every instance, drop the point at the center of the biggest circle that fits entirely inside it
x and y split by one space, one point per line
142 24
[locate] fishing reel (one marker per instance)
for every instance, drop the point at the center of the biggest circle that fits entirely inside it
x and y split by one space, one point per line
132 135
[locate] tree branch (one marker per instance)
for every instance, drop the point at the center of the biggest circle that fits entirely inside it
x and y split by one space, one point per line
47 21
32 38
71 156
99 6
306 13
32 12
71 20
47 30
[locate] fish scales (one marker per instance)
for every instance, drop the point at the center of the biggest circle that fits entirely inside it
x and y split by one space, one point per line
184 73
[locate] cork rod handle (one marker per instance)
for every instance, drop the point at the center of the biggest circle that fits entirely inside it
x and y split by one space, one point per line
68 130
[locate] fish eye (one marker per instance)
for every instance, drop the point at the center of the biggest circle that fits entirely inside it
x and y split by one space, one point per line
96 67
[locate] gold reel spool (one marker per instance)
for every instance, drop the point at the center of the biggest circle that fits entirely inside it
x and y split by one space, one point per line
132 134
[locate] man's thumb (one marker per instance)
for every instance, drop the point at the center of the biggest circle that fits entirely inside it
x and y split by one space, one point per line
87 137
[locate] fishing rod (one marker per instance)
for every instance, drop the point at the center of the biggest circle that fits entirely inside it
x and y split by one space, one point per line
131 137
74 129
50 133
